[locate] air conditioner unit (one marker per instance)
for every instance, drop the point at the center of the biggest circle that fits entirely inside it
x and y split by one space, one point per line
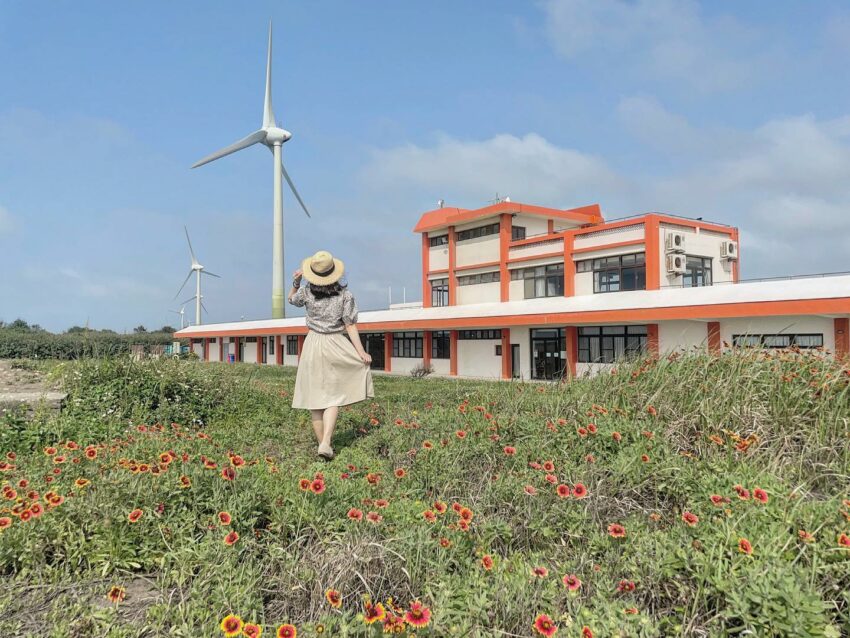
729 250
674 242
676 264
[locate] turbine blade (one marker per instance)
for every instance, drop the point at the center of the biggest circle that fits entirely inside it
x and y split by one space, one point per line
191 252
211 274
292 186
184 284
245 142
204 307
192 298
268 114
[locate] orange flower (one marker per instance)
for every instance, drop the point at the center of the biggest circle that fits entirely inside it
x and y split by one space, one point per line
579 491
374 613
317 486
509 450
440 507
185 482
231 538
545 626
135 515
844 540
760 495
116 594
5 521
540 572
586 632
616 530
334 598
224 518
487 562
465 514
286 631
400 473
228 474
563 491
304 484
231 625
572 582
81 482
250 630
745 547
429 516
806 537
418 615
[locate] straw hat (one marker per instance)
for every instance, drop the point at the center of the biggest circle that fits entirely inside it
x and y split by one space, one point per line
322 269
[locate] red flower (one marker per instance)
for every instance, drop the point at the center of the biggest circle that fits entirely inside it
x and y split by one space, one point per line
440 507
304 484
374 517
116 594
745 547
579 490
429 516
5 521
224 518
572 582
445 543
530 490
586 632
563 491
466 514
625 586
644 458
334 598
717 500
374 613
461 434
135 515
743 493
760 495
231 625
545 626
616 436
690 519
231 539
509 450
616 530
228 474
418 615
317 486
806 537
250 630
355 514
286 631
487 562
400 473
844 540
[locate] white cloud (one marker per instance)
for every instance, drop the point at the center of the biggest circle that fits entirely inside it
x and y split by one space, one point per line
527 168
670 39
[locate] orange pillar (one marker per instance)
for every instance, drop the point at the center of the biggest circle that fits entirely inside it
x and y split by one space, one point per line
236 350
221 348
714 337
736 265
652 249
842 337
571 346
206 349
453 353
388 352
278 352
652 339
452 259
260 349
569 266
506 353
550 226
427 338
300 347
505 222
426 265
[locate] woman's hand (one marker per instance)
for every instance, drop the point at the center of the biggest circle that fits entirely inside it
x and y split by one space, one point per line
366 358
296 276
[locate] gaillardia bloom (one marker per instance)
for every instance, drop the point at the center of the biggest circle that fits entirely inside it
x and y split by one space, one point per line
572 582
616 530
690 519
745 547
231 538
224 518
135 515
231 625
487 562
250 630
334 598
116 594
374 613
545 626
418 615
286 631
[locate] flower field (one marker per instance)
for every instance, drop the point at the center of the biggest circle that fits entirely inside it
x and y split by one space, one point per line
696 496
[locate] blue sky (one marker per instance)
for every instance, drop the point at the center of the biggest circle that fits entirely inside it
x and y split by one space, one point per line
737 112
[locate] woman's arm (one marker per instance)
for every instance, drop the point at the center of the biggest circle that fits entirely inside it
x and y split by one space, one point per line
296 282
351 329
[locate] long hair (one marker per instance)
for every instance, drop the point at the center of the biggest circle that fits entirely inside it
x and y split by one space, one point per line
330 290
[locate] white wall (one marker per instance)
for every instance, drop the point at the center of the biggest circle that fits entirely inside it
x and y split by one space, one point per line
198 349
479 293
477 251
441 366
533 224
516 290
602 237
214 348
289 359
537 248
778 325
438 257
249 353
682 335
697 244
477 358
521 336
584 283
592 369
403 365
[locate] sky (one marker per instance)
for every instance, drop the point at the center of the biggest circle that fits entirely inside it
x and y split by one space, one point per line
734 112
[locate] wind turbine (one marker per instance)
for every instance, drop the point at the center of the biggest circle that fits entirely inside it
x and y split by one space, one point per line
273 137
198 269
182 313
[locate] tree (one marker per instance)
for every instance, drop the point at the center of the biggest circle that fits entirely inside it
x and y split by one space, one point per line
75 330
168 329
20 325
139 329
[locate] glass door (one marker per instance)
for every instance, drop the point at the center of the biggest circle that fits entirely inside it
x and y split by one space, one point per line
546 348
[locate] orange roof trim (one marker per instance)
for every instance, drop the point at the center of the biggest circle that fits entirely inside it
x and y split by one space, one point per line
443 217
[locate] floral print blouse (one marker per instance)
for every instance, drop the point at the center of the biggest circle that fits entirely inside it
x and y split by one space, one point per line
326 314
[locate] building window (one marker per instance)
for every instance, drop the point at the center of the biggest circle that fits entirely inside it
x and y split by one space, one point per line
441 344
481 278
621 272
699 272
250 339
441 240
407 345
778 341
517 233
480 231
271 345
608 344
196 340
473 335
541 281
213 340
292 344
439 292
498 350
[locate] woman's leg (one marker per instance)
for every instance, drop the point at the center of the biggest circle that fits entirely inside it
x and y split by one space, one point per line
329 421
318 424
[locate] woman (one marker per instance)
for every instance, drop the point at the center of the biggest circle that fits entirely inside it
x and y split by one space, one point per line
333 371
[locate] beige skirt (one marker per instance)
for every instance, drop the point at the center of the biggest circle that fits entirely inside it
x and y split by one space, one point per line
330 373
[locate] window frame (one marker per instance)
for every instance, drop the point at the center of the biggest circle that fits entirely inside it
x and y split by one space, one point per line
791 336
479 231
551 273
439 240
518 233
613 272
292 345
439 292
479 335
702 269
593 339
408 344
493 277
441 344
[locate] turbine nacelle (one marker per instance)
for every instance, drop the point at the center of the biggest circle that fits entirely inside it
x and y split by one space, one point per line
275 135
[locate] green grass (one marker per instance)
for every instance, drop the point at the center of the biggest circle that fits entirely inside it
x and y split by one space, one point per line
780 423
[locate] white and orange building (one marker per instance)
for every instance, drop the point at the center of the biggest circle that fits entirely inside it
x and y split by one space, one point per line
519 291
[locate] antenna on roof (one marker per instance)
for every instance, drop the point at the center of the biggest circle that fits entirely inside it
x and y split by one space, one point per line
441 203
499 199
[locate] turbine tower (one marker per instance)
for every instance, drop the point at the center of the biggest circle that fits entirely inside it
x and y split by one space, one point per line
182 313
274 138
198 269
